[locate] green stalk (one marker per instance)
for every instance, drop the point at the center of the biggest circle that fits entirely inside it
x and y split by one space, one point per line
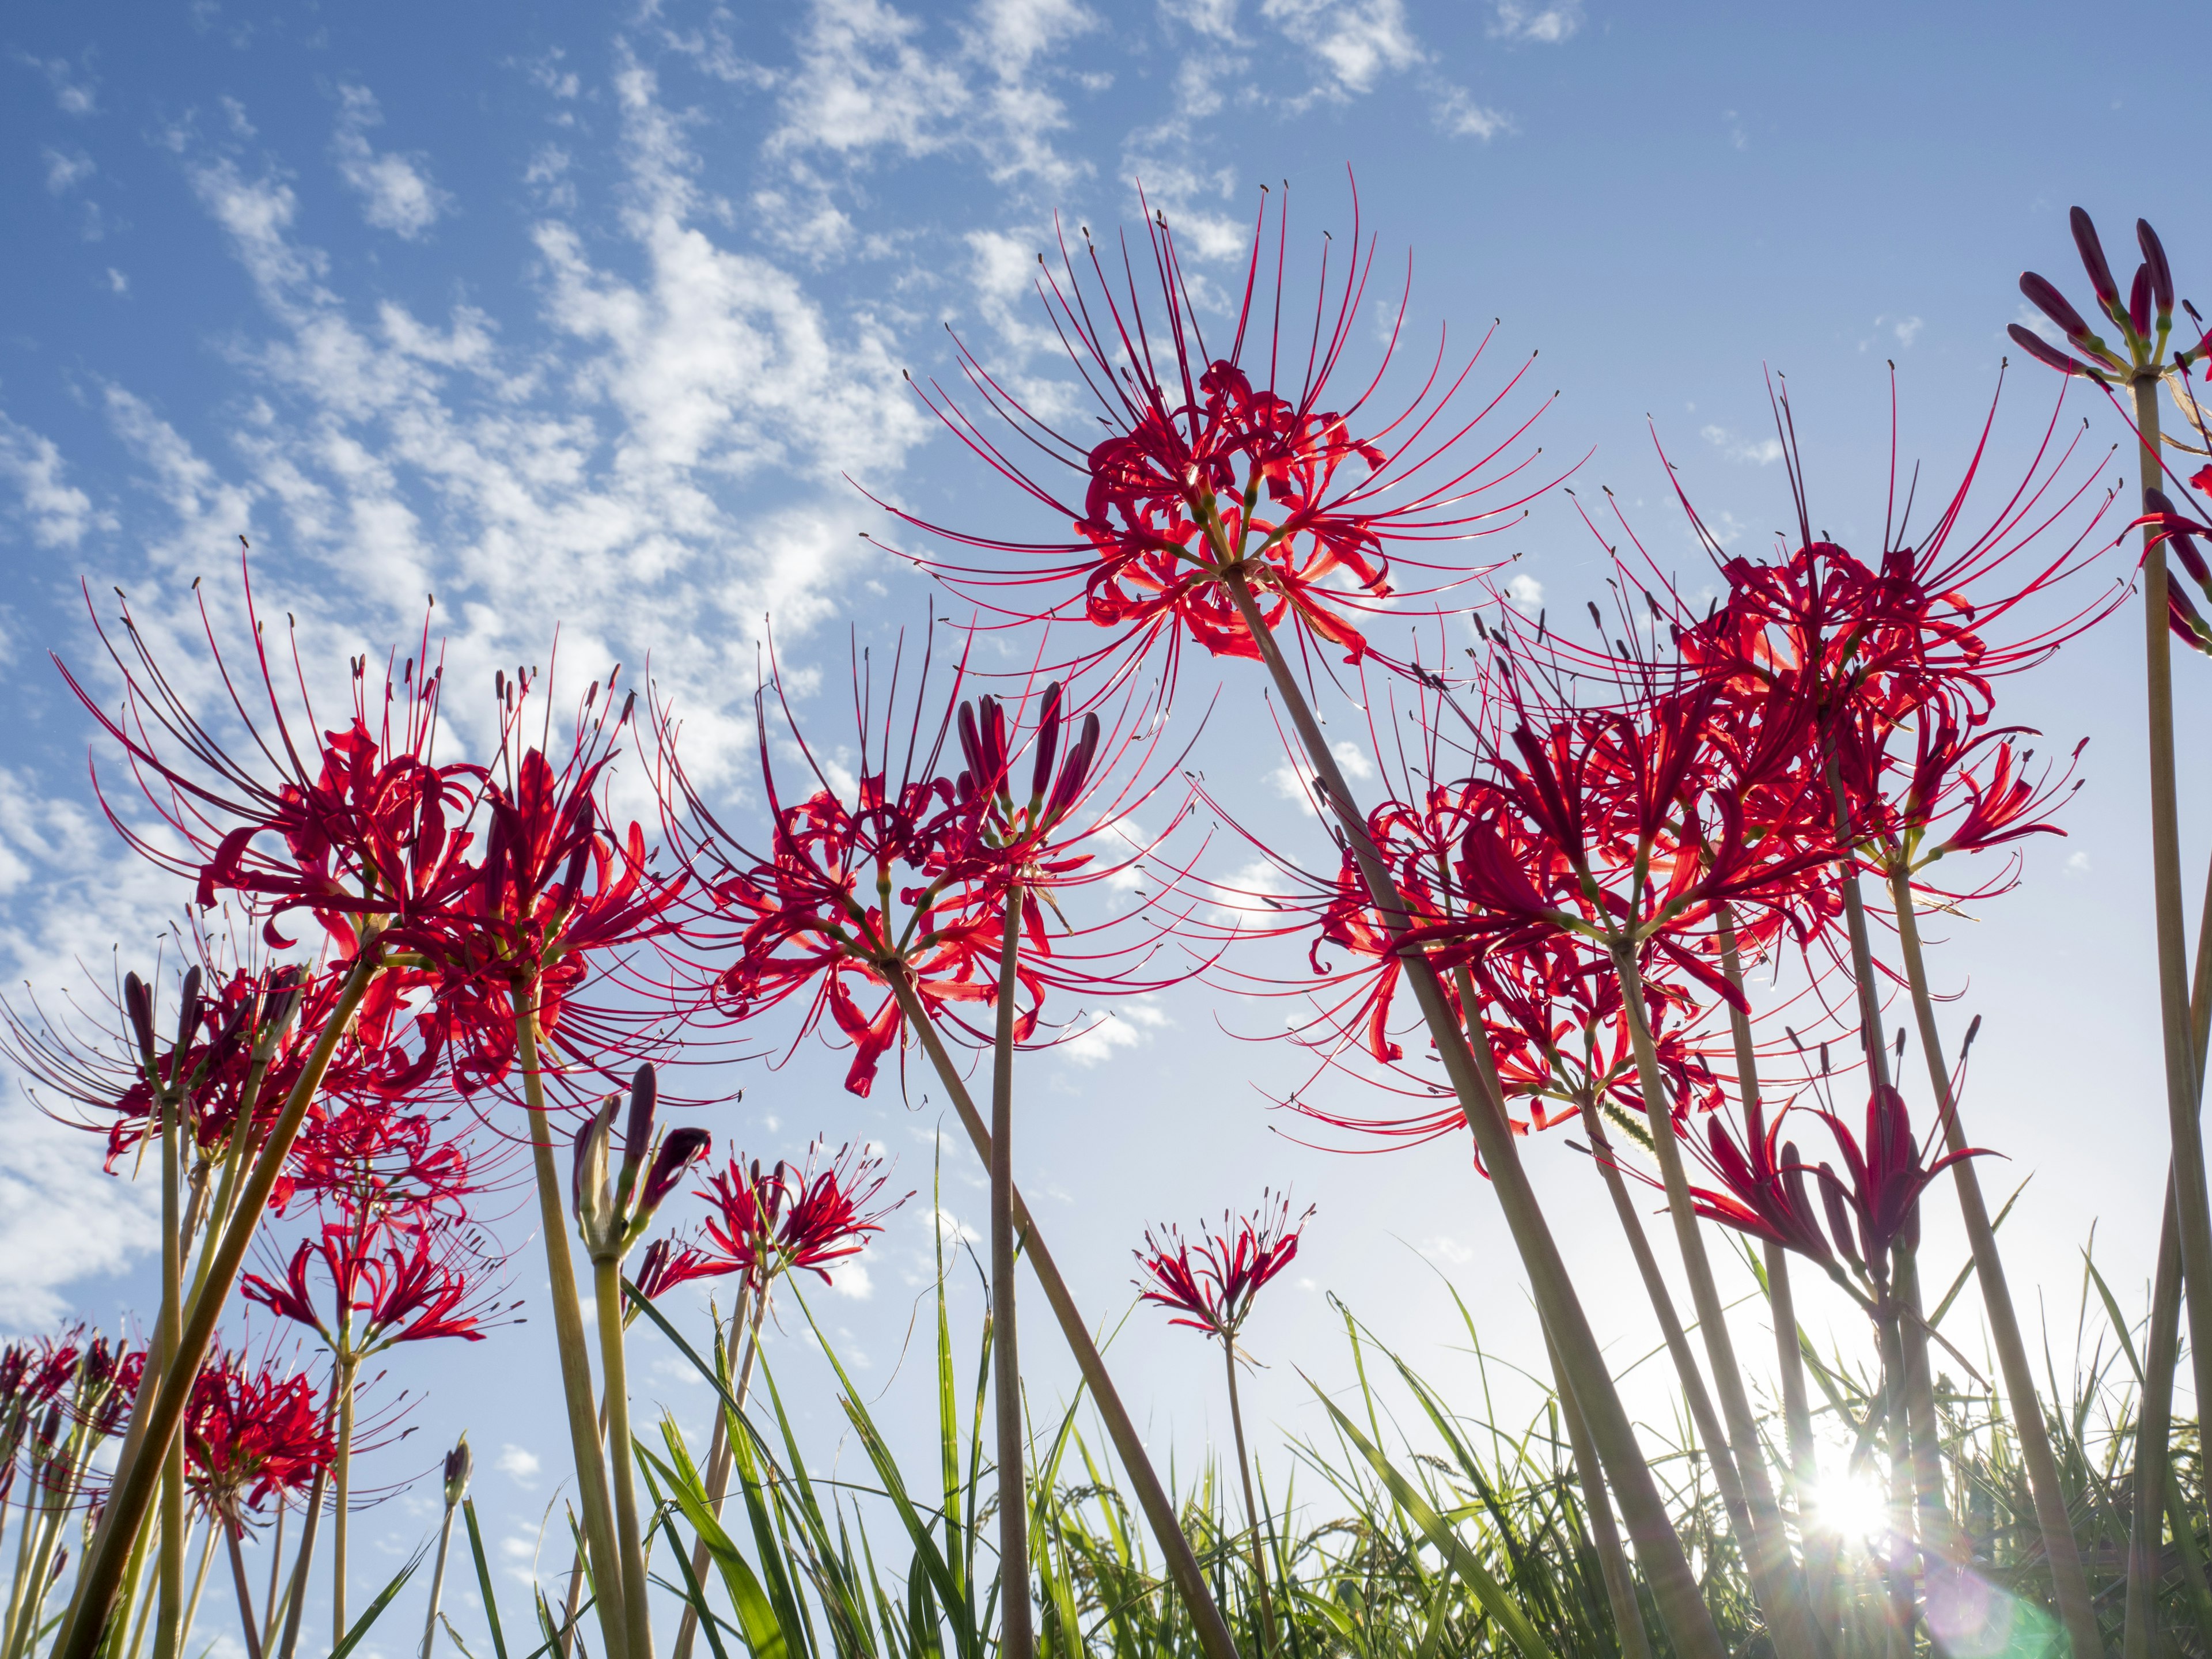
1267 1640
2069 1584
1781 1589
341 1492
1213 1630
1695 1395
720 1458
132 1493
295 1601
553 1223
132 1579
2155 1488
199 1583
2191 1206
1688 1621
273 1599
1018 1632
622 1457
169 1632
437 1583
1613 1560
246 1622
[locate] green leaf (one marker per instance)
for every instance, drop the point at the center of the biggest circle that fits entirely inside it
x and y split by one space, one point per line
383 1601
483 1578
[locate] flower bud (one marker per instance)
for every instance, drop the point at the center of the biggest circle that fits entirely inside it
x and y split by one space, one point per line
190 1008
1076 772
637 1130
678 1152
2052 304
1840 1218
587 1177
460 1463
2161 274
2182 619
2044 352
140 1009
2092 258
1047 744
2139 303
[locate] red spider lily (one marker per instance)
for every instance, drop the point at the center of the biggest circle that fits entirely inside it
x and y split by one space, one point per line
554 890
251 1435
2179 531
1215 468
353 827
60 1398
668 1262
1211 1286
2144 319
765 1223
1871 1208
411 1284
904 875
368 1158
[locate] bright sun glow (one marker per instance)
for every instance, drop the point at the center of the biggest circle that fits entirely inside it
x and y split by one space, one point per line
1851 1506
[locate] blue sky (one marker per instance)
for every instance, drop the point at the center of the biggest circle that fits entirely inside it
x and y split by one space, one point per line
583 315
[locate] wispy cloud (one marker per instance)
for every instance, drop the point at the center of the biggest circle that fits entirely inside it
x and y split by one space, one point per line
1542 25
396 190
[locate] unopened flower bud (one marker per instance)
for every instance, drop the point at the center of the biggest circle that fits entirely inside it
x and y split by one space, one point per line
1048 743
460 1463
2092 258
2139 303
2051 303
2182 544
2187 625
1076 772
587 1176
678 1152
140 1008
637 1130
2161 274
2044 352
190 1007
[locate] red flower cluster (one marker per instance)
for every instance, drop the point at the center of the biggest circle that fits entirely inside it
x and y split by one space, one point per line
253 1433
765 1222
1211 1286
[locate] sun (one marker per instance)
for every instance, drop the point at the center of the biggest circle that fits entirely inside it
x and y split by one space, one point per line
1851 1504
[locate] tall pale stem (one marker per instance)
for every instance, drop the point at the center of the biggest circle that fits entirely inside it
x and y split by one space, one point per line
2068 1582
132 1492
438 1582
2181 1071
169 1632
621 1456
1688 1621
574 1352
1159 1510
1774 1573
246 1622
1018 1638
1251 1504
341 1497
2155 1486
1611 1560
720 1455
1695 1395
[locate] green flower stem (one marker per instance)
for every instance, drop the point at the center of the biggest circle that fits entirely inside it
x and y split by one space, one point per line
295 1599
1612 1559
1268 1643
172 1560
1780 1586
341 1495
2069 1584
2192 1211
131 1494
621 1458
245 1620
553 1223
720 1458
1018 1632
1682 1608
1213 1630
437 1583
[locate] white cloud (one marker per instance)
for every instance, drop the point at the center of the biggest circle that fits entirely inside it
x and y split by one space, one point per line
396 190
520 1462
1760 451
1526 592
1450 1251
1355 42
1459 116
116 282
66 169
1545 24
73 91
58 514
1125 1025
1737 137
1294 776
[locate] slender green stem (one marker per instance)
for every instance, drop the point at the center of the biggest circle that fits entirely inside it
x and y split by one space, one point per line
246 1622
1605 1534
2191 1206
2069 1584
296 1600
574 1353
1774 1573
341 1496
1212 1629
1472 1074
720 1457
171 1568
437 1581
132 1492
1268 1643
199 1583
271 1601
621 1456
1018 1632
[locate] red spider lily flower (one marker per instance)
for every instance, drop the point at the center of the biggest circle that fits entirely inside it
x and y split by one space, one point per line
251 1435
2144 319
386 1284
368 1158
1764 1188
1233 467
903 875
60 1398
766 1223
668 1262
554 890
353 826
1211 1286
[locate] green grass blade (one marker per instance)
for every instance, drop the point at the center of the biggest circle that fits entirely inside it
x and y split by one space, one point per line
483 1578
